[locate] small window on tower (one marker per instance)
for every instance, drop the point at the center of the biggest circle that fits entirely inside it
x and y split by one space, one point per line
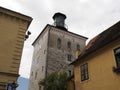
78 47
69 73
42 68
69 45
58 43
69 57
32 73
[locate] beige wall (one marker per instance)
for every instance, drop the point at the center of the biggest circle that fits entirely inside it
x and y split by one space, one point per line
12 36
100 68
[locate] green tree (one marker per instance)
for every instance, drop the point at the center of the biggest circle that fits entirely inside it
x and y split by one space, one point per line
55 81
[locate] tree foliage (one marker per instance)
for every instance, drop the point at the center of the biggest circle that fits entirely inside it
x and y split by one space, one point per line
55 81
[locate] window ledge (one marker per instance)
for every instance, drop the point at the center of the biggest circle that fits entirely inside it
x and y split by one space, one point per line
116 70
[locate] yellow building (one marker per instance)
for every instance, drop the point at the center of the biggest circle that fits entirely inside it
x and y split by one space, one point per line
98 66
13 28
71 83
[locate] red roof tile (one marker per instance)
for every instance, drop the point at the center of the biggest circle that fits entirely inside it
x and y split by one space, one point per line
101 40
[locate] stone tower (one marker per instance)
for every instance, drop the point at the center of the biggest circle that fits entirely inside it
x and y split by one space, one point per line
54 49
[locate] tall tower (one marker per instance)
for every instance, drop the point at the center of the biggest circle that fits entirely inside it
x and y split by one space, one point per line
54 49
13 27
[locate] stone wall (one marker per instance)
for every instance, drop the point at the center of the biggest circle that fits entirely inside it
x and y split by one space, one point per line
57 57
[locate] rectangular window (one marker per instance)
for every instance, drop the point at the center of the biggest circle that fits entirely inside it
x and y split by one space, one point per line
32 73
40 87
84 72
69 73
78 47
42 68
117 56
59 43
69 57
69 45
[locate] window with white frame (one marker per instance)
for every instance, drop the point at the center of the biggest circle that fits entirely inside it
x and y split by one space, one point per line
84 72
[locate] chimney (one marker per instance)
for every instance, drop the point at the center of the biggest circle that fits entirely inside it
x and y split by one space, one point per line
59 20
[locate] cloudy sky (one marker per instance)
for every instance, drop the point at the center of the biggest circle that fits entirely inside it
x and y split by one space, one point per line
84 17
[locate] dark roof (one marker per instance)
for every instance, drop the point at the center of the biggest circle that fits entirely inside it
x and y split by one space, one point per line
59 14
101 40
58 28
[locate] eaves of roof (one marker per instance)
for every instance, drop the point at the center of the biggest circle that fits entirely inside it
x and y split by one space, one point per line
101 40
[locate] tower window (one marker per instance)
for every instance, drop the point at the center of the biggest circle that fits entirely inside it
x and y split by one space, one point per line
78 47
40 87
69 73
69 45
58 43
84 72
69 57
32 73
42 68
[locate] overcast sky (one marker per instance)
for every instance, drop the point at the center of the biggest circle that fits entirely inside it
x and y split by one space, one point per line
85 17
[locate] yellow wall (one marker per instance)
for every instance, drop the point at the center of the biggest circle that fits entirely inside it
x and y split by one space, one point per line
71 84
12 36
101 75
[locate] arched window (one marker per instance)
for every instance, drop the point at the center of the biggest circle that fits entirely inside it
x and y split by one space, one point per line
78 47
58 43
69 45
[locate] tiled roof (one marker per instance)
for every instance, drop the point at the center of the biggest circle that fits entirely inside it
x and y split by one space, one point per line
101 40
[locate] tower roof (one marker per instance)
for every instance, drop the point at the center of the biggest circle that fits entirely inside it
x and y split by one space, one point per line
59 14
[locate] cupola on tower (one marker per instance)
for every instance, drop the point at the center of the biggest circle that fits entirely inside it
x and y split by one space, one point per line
59 20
